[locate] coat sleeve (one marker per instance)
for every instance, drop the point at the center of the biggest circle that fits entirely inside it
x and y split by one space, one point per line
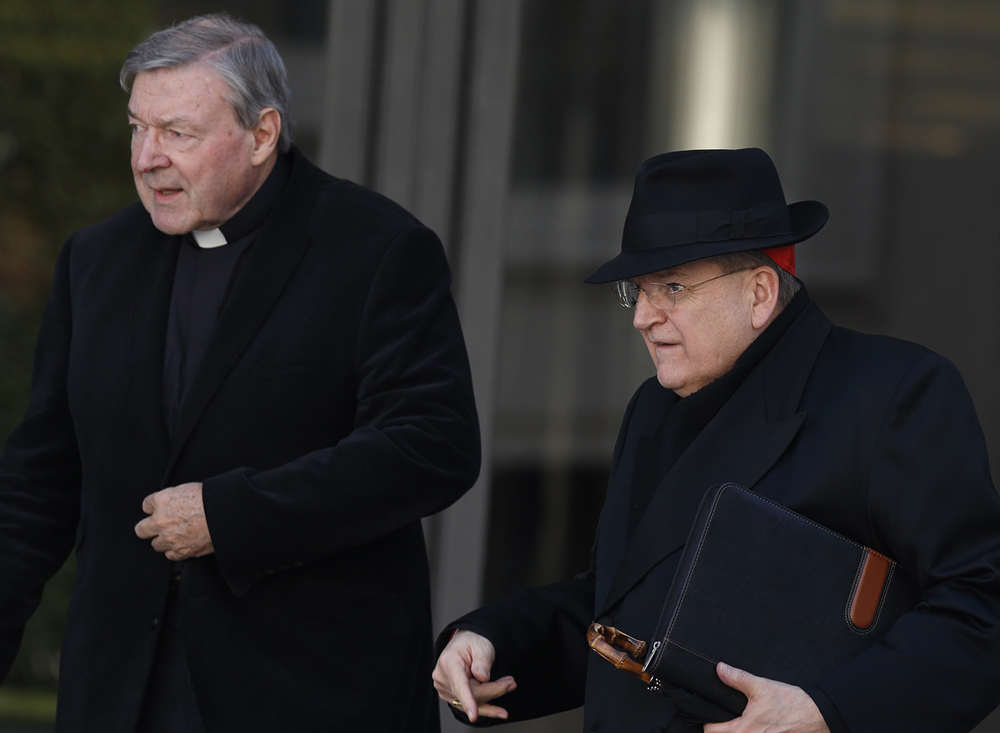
932 503
39 477
414 448
540 636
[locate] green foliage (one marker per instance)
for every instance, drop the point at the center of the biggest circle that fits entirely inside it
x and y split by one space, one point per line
34 707
63 165
63 141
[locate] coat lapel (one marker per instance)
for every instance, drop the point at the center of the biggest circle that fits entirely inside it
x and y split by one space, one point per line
647 410
269 264
152 281
740 444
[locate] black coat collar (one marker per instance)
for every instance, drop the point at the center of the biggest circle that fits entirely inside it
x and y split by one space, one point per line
746 438
269 264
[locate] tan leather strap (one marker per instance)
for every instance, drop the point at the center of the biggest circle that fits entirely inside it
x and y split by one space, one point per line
870 587
622 650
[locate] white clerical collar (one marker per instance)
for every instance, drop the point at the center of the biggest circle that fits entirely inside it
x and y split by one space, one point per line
209 238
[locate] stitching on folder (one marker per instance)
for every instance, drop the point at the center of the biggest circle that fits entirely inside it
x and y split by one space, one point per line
697 557
786 510
692 652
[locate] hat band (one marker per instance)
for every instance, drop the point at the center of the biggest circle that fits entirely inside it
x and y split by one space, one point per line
649 231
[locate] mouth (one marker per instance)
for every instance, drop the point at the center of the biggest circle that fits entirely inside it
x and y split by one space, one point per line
663 347
163 195
657 342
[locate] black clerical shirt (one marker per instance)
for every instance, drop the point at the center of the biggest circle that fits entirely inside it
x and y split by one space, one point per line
202 279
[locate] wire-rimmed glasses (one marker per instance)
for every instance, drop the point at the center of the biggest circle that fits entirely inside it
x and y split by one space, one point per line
662 296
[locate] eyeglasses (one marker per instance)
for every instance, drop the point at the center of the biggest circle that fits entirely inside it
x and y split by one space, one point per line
662 296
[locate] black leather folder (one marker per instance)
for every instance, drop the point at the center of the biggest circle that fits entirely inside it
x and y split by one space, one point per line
769 591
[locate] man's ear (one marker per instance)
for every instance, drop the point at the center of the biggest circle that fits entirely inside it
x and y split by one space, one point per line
764 283
266 135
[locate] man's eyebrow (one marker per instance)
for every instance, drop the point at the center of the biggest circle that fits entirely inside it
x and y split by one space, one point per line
668 274
162 122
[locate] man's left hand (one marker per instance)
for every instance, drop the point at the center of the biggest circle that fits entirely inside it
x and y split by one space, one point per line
176 523
773 706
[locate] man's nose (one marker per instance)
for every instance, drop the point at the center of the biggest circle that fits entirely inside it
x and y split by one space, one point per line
149 153
645 314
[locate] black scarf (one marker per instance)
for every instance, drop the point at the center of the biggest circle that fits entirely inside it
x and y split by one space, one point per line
660 450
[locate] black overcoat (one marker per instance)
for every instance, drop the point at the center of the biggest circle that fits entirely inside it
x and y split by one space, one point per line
332 410
874 437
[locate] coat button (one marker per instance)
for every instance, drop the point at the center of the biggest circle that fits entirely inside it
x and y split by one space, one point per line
154 622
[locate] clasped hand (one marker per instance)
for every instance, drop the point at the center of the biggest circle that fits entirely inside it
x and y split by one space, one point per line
176 523
772 707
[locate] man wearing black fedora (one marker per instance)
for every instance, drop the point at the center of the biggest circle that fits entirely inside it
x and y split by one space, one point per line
873 437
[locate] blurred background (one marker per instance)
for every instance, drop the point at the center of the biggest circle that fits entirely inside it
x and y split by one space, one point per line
514 128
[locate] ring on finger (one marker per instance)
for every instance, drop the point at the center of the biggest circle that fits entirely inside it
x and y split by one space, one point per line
456 703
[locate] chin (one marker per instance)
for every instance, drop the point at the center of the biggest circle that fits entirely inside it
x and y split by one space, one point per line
668 383
169 226
677 385
168 222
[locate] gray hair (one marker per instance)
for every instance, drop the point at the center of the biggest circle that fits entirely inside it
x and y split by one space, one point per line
751 259
238 52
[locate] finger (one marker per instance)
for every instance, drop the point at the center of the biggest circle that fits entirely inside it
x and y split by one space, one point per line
487 710
482 694
485 692
456 686
730 726
493 711
467 700
481 669
718 727
440 681
178 553
148 504
145 530
480 655
442 684
738 679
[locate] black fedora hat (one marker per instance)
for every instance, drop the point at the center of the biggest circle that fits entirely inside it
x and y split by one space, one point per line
698 203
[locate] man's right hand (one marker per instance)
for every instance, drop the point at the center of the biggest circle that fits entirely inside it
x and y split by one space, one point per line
462 676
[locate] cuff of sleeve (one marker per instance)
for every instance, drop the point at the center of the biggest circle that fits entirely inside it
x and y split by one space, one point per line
451 629
831 715
225 534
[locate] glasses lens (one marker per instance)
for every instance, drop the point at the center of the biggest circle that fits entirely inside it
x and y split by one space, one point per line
627 292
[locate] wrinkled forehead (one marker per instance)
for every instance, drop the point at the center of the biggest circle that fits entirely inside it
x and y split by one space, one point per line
190 92
193 82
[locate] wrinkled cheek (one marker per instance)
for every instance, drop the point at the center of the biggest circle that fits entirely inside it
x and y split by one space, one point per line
672 366
145 196
652 353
